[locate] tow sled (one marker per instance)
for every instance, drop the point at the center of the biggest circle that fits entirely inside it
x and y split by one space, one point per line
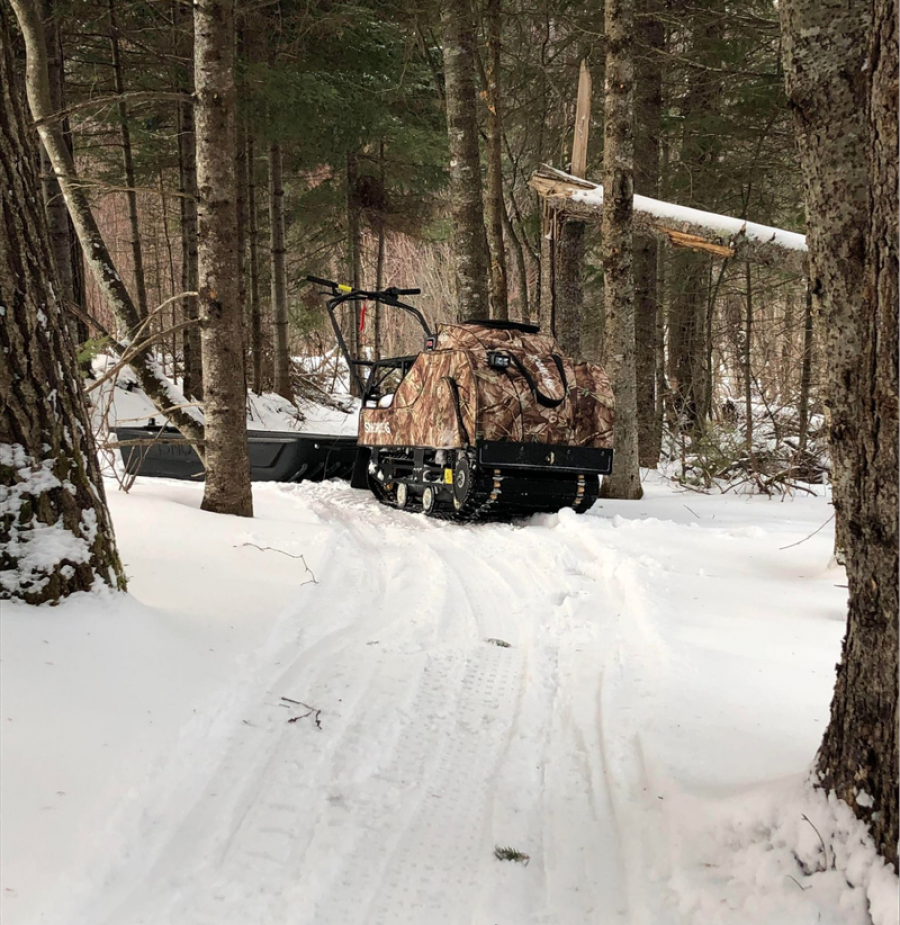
489 421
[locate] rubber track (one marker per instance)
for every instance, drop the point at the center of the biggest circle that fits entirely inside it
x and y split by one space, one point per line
504 496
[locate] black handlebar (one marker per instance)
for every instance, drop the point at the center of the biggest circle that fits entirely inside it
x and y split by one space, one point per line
341 295
391 292
321 282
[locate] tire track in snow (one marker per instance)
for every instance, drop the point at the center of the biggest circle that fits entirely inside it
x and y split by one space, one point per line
436 746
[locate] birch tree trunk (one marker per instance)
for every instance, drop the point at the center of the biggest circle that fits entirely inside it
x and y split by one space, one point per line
469 242
618 184
227 487
279 278
841 64
494 199
164 396
66 251
54 540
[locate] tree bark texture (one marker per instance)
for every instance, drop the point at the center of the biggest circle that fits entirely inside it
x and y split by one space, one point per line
648 103
830 124
805 372
51 491
494 200
841 64
569 287
137 253
279 277
240 170
163 395
467 212
618 269
227 487
187 172
747 361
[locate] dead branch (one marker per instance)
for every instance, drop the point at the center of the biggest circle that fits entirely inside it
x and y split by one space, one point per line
129 96
313 579
312 711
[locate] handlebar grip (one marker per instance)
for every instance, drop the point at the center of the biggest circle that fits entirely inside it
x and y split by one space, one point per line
321 282
408 291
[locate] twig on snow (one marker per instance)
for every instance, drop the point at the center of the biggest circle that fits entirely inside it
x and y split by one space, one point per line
310 711
805 538
312 579
821 840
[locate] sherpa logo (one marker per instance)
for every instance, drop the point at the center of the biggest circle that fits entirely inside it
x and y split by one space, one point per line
378 427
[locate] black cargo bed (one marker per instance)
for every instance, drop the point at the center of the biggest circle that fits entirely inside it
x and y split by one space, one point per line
275 456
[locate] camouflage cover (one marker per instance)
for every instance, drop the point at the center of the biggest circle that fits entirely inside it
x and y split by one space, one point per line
451 396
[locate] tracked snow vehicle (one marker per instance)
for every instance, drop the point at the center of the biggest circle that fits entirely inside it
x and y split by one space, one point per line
489 421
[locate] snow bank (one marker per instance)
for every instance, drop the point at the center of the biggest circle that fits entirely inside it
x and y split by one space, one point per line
122 401
781 853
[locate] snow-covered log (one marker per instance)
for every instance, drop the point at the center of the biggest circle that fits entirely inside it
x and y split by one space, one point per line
721 235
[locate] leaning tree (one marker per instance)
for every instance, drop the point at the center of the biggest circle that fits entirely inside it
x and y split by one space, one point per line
56 537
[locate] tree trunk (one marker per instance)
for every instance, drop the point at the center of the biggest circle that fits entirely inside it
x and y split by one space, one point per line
240 171
354 254
137 254
379 285
494 200
747 362
66 251
686 309
805 373
519 255
469 244
841 63
279 278
379 264
161 392
648 102
227 488
618 271
256 339
56 536
187 186
569 287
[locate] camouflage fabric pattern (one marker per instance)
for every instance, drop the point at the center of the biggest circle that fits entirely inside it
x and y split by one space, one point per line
493 404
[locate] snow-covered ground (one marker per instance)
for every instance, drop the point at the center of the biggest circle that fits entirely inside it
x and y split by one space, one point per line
644 737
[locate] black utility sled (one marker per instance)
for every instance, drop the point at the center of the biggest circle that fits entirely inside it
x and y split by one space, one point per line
275 456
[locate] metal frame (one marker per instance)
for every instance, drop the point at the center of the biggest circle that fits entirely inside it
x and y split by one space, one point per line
390 296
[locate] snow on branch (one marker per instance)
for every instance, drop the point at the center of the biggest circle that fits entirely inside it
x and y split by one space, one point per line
721 235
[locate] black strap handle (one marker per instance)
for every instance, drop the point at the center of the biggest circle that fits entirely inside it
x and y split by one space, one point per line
454 391
543 399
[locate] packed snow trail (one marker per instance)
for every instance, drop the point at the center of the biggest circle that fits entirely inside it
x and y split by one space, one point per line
390 812
579 689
